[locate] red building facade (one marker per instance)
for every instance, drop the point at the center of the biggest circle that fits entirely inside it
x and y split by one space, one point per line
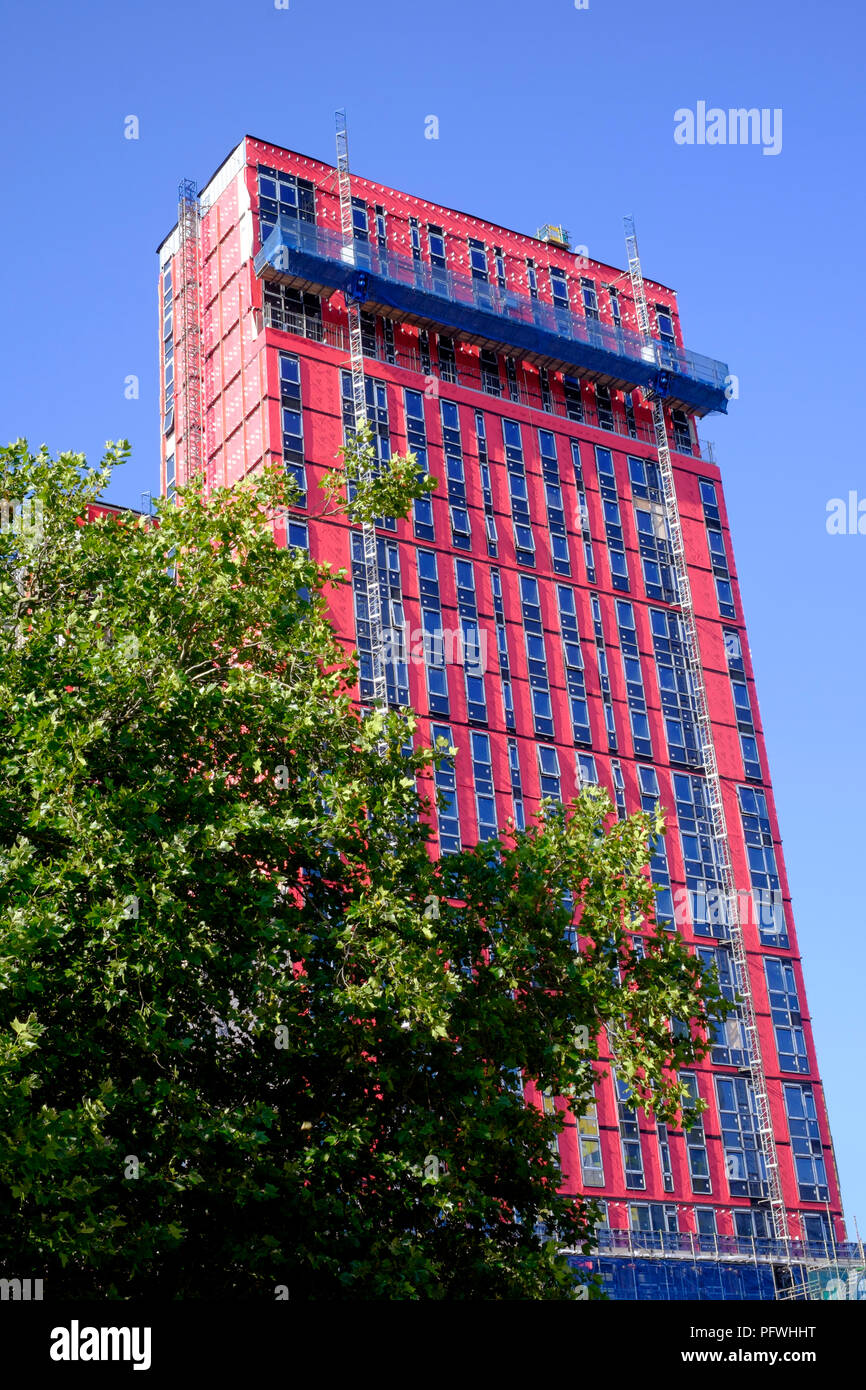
531 607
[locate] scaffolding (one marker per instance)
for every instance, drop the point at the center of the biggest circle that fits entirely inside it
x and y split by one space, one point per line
754 1068
485 314
834 1283
664 1265
189 347
354 295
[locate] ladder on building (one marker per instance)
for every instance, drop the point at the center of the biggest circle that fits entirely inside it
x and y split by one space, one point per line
755 1067
188 351
359 399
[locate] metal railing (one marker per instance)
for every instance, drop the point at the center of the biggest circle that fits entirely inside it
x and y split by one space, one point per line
305 326
480 294
685 1245
335 336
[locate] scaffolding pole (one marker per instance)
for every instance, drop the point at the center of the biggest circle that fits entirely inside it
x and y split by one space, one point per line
359 400
188 353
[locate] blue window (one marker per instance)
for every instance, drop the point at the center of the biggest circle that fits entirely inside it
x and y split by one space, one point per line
486 485
393 656
285 196
716 545
381 227
744 1161
696 1143
589 1138
816 1228
377 420
734 650
559 288
548 773
460 530
710 500
634 685
604 408
629 1134
785 1013
446 795
706 1222
573 397
742 708
742 704
652 531
729 1041
587 772
360 227
806 1147
477 259
292 311
573 659
764 875
665 1165
433 639
502 648
603 673
665 324
751 757
167 302
718 555
167 352
589 296
298 536
472 649
536 657
555 504
416 439
415 238
725 595
455 473
699 855
485 800
508 704
293 423
613 520
675 688
524 542
168 390
436 242
653 1221
583 513
648 784
516 784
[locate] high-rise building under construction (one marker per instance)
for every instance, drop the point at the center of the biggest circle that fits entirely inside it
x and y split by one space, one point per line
564 609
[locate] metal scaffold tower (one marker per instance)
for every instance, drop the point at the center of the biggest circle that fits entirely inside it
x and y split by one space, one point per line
755 1067
189 346
353 297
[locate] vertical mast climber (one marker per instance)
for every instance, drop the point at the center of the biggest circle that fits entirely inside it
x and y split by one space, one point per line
755 1065
359 398
189 348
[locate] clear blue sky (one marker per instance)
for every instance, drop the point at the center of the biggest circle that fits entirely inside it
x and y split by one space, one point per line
547 113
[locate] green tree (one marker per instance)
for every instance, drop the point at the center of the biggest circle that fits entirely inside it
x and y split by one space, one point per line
252 1034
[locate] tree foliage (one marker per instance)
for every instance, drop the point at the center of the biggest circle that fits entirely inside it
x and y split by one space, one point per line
252 1034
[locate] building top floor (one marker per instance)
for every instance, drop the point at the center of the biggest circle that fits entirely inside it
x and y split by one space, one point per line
284 184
